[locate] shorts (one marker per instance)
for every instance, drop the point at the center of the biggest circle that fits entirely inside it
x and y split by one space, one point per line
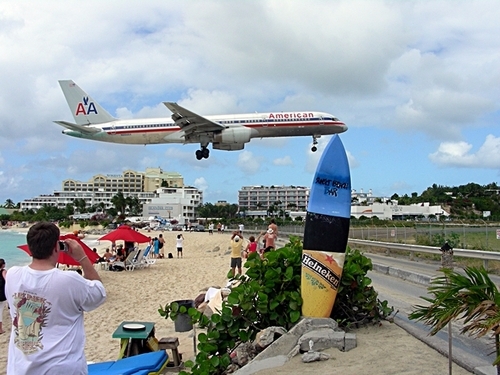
236 262
179 249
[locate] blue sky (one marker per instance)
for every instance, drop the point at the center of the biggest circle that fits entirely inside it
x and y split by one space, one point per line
417 82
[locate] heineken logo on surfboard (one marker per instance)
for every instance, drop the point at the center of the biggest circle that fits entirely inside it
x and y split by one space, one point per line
319 269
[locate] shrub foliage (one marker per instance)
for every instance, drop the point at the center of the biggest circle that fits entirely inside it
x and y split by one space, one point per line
269 295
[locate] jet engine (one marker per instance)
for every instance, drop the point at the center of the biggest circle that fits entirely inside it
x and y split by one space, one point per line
233 135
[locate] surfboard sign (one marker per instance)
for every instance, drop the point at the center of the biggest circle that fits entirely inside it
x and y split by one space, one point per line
326 231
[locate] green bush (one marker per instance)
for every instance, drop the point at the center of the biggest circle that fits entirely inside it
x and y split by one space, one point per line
357 302
269 295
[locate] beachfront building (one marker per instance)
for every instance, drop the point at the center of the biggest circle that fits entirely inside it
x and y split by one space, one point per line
129 182
165 188
258 198
393 211
174 203
264 201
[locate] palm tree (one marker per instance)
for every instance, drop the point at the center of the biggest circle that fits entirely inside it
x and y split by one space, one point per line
9 203
119 202
472 297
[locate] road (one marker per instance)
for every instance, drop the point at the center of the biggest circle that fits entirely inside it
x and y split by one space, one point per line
468 352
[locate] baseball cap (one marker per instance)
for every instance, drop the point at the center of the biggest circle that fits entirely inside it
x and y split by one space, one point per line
236 238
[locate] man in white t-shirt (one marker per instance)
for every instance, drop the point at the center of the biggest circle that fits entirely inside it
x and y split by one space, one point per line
47 305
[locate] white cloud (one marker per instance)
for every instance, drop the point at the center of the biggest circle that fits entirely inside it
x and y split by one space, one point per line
248 163
284 161
201 183
430 69
457 154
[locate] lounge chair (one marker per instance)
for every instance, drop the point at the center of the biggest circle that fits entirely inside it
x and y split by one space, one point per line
142 364
127 261
135 262
146 258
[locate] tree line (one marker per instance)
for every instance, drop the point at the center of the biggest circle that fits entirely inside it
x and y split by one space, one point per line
463 202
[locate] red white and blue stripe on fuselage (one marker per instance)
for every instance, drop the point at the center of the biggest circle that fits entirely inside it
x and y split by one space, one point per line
263 125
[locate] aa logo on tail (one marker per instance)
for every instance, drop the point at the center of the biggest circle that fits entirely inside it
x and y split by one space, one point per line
85 108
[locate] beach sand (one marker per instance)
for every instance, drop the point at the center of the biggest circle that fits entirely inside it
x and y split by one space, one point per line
137 295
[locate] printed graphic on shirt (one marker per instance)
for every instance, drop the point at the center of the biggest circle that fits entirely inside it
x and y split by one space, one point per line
31 316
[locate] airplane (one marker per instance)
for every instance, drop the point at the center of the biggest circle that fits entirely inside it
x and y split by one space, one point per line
225 132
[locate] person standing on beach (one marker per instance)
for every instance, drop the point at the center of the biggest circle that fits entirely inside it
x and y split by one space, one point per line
47 305
179 243
161 245
236 247
251 246
274 227
156 247
3 298
269 238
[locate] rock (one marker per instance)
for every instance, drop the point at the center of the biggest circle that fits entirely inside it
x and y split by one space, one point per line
314 357
267 336
324 338
243 354
233 367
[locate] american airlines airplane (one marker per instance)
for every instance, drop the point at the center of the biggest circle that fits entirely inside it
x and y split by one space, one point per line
225 132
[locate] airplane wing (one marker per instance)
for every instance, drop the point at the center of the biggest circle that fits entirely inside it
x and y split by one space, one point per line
78 128
190 122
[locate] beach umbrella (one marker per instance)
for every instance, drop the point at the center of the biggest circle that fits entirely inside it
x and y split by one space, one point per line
125 233
65 258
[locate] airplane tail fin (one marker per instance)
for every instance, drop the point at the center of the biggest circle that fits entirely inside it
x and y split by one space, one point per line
86 110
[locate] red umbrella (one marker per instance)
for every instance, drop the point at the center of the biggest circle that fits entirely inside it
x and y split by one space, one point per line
65 258
125 233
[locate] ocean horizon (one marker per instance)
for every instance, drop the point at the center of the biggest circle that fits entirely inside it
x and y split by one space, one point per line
13 256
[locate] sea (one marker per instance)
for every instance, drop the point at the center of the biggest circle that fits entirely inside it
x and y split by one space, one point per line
13 256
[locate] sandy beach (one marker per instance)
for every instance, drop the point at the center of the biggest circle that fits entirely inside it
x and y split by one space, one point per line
136 296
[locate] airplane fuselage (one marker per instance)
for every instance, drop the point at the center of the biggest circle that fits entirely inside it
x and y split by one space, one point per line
253 125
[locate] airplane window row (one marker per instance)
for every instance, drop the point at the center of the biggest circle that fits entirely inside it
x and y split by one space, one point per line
228 122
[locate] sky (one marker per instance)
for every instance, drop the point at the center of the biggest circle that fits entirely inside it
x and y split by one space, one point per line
416 82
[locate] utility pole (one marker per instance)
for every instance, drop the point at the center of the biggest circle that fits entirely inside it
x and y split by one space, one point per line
447 262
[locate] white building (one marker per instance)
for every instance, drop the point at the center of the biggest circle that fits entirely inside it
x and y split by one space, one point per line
390 211
160 193
174 203
362 204
283 197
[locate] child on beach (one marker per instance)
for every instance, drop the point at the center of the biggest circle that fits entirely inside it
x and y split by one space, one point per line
251 247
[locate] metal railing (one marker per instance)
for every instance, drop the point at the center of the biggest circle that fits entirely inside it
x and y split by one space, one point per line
485 256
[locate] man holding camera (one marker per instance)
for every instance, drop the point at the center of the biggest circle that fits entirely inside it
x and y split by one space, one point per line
47 305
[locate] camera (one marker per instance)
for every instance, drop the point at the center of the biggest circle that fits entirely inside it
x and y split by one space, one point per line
63 246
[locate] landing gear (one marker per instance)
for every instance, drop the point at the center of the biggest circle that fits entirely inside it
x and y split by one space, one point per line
315 142
203 153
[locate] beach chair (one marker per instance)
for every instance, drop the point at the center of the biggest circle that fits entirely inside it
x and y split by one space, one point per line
153 363
146 259
136 261
127 261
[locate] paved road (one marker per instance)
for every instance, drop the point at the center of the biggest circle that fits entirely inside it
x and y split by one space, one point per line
471 354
